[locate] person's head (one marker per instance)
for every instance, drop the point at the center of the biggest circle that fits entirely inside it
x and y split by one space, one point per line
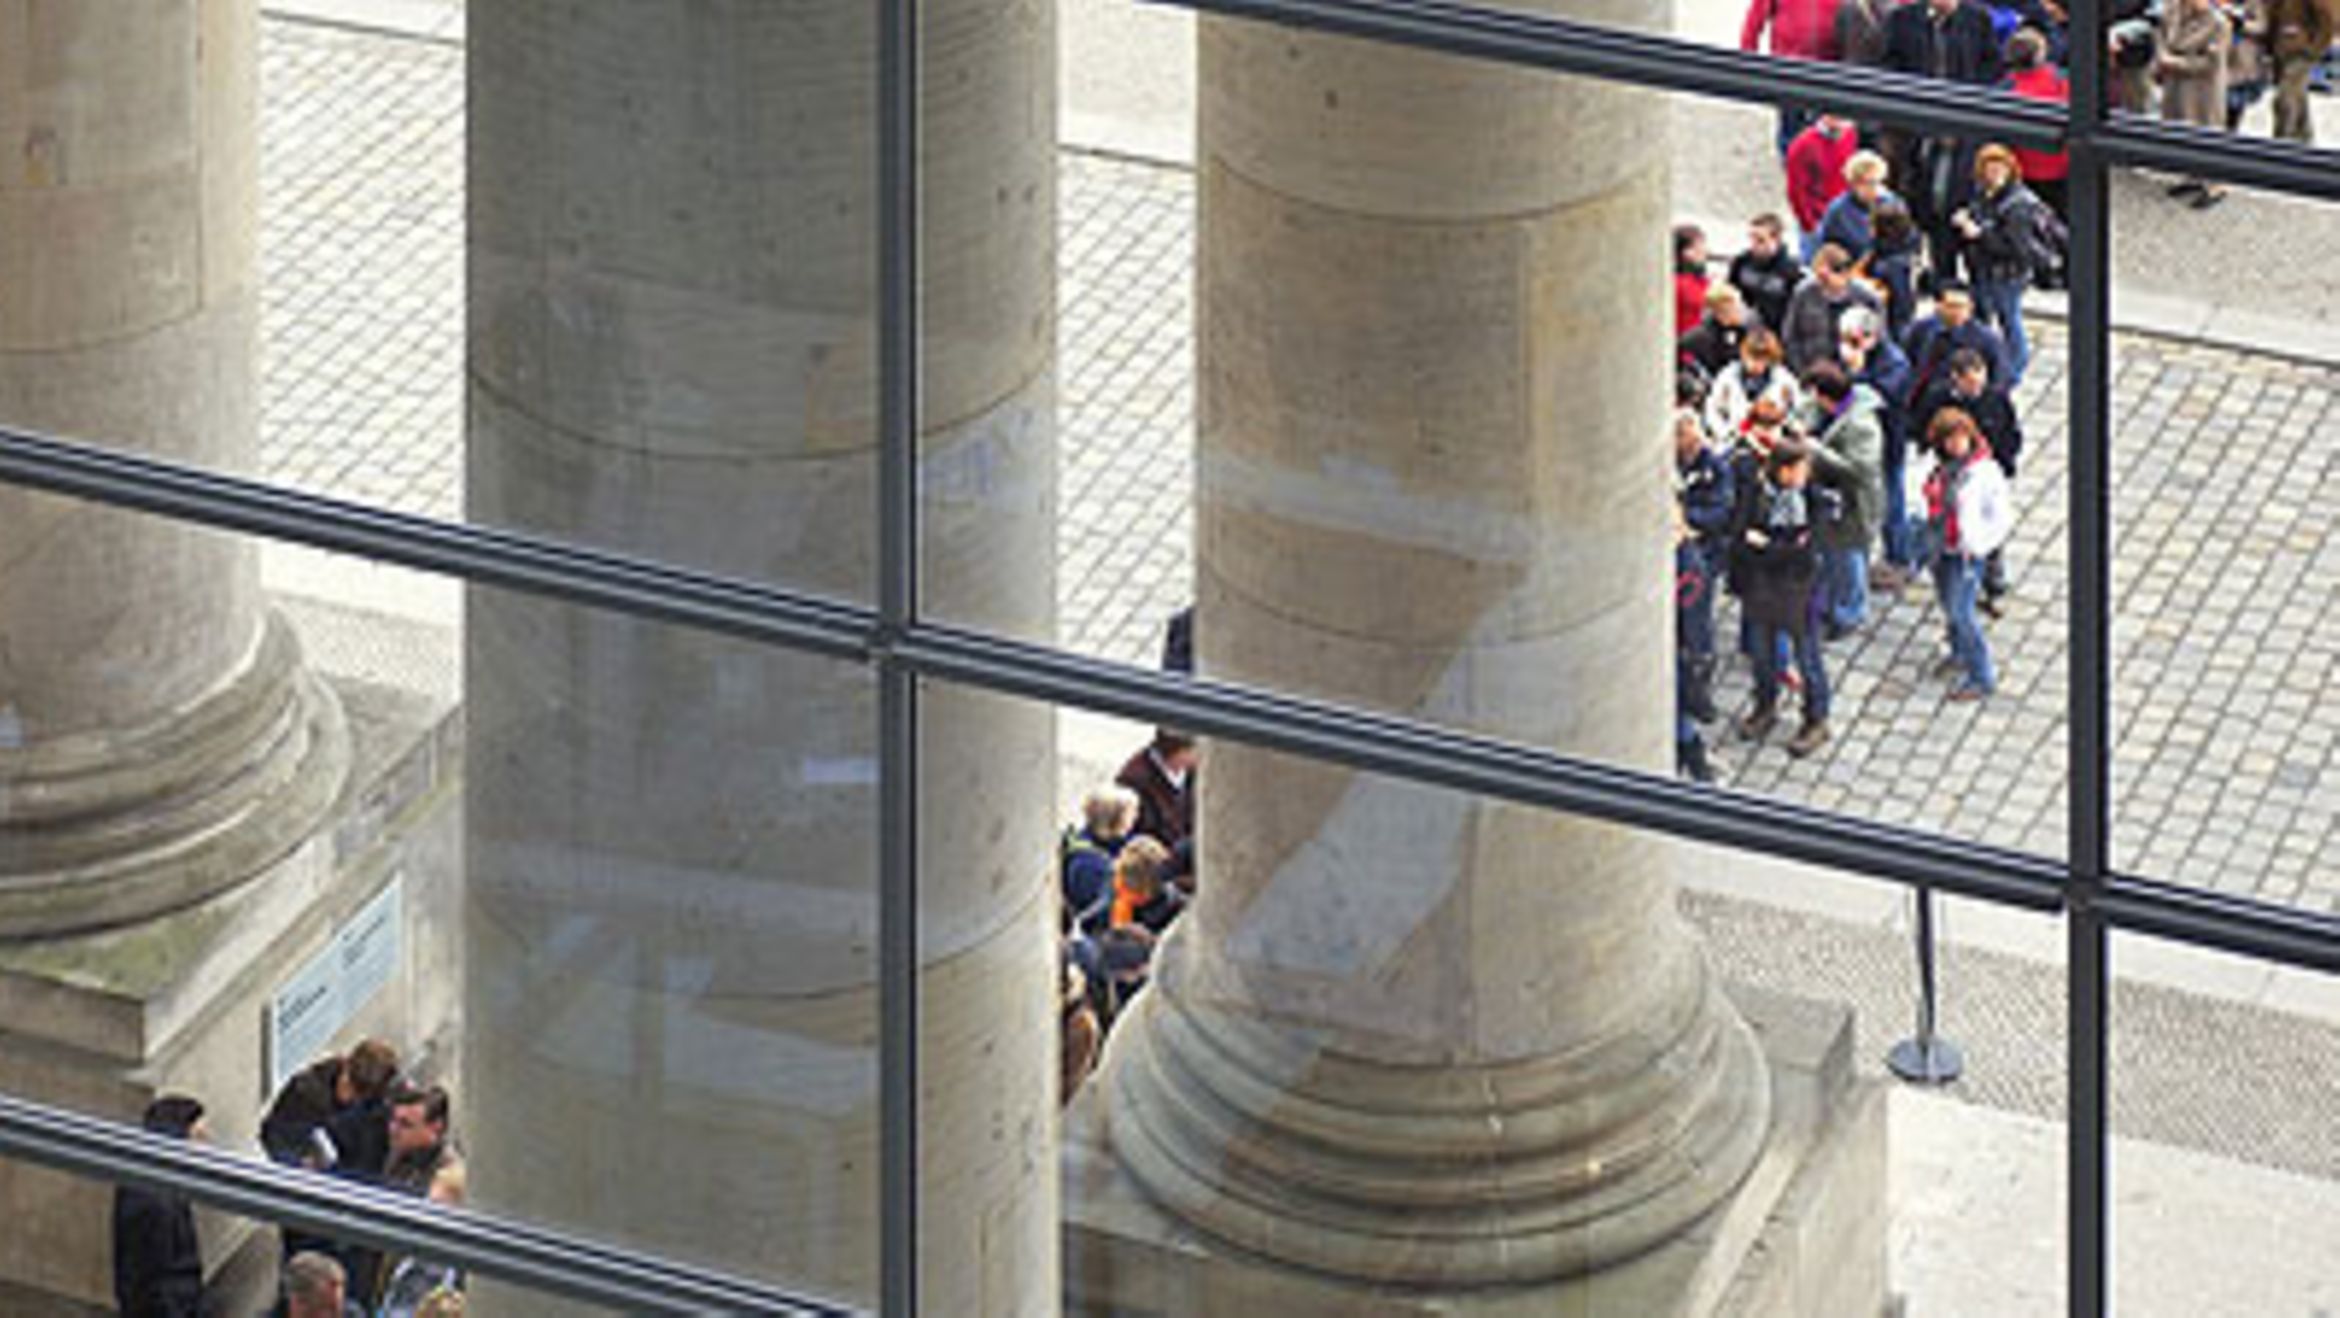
1766 415
1953 303
1858 327
1109 811
1828 380
1953 433
1142 867
1174 749
1970 374
1689 434
1725 305
1890 224
418 1119
366 1073
1833 125
1995 167
1941 9
1760 350
1690 387
1689 245
1864 176
314 1286
1832 266
177 1115
1789 464
2026 50
1765 235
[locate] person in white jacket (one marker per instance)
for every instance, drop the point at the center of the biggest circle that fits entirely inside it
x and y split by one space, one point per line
1970 513
1758 374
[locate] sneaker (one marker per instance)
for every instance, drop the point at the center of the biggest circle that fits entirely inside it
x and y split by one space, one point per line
1758 722
1887 578
1992 606
2186 187
1966 693
1690 761
1809 738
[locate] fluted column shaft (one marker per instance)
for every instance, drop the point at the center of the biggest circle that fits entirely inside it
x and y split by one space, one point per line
1406 1036
671 923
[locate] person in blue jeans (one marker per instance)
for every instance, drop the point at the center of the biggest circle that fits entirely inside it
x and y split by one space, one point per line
2008 236
1848 452
1781 554
1969 515
1877 362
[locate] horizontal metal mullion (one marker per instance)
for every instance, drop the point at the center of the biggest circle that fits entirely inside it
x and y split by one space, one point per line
490 557
2257 162
2306 939
1467 762
1665 62
490 1246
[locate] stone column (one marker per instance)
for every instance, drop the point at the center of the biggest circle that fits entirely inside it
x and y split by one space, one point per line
1406 1037
159 739
671 922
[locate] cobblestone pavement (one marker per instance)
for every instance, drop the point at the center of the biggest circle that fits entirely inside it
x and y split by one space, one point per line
2224 562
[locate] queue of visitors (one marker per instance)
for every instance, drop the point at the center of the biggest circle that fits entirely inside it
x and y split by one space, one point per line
350 1115
1125 872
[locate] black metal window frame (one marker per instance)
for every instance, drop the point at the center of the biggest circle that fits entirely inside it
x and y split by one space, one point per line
904 649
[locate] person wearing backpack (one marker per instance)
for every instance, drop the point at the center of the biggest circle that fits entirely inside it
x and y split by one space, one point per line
2009 236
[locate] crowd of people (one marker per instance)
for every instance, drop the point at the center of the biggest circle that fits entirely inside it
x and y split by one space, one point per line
1126 870
1844 416
351 1115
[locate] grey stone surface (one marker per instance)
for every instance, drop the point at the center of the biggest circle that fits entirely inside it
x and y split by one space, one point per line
2226 739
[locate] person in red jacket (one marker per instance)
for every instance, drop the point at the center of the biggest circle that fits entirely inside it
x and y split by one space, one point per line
1815 173
2030 74
1800 29
1689 277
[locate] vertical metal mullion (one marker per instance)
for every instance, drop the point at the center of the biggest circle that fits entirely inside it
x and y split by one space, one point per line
2089 425
897 523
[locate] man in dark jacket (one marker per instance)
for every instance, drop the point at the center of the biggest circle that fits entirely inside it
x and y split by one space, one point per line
1953 41
319 1093
1713 342
1827 293
1766 272
1931 340
1702 491
158 1262
1162 775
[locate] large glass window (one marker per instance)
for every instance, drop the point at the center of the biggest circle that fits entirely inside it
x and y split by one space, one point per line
629 554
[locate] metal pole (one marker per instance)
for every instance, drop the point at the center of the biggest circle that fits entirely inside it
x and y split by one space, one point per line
1928 1058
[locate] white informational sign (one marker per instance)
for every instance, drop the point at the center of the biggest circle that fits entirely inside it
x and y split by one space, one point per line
328 991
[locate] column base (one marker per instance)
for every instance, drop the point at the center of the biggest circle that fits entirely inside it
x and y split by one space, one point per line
101 1022
1804 1233
108 829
